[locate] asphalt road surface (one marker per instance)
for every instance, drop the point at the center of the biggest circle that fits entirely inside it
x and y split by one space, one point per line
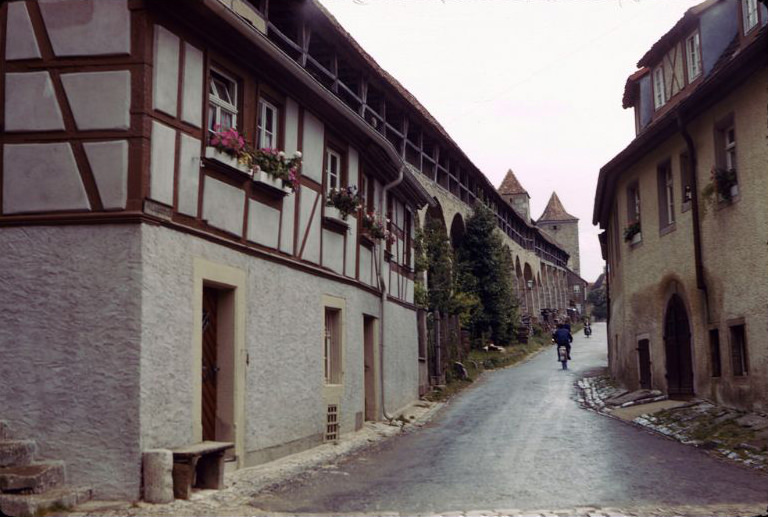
517 439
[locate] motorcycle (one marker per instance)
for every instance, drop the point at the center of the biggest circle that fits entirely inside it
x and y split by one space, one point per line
587 331
562 356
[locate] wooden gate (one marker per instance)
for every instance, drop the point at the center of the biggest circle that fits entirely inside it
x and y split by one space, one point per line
210 364
677 343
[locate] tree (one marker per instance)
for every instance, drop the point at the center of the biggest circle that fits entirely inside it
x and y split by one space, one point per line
485 270
599 301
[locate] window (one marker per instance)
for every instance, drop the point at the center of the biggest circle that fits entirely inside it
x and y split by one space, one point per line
714 352
332 346
685 180
576 289
332 169
633 203
739 351
730 148
659 97
693 56
222 102
725 155
666 195
267 125
749 10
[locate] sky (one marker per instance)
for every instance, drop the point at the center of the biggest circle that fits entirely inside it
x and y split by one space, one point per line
529 85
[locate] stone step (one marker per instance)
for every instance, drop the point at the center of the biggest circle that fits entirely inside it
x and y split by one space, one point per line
56 499
35 478
16 453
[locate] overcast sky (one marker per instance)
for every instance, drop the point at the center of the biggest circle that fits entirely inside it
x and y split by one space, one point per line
529 85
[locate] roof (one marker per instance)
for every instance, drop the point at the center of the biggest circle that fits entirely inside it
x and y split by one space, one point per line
511 185
734 66
555 211
630 88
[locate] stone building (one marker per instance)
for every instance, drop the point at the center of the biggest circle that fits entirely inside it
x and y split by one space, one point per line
684 214
563 228
157 292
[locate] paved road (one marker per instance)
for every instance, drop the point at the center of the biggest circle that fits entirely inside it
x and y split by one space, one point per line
517 439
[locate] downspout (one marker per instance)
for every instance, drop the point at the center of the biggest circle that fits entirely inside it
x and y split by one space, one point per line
383 287
701 282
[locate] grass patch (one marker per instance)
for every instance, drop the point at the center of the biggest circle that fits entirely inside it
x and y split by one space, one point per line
480 360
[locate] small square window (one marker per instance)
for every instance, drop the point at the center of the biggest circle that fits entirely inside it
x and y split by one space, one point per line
739 360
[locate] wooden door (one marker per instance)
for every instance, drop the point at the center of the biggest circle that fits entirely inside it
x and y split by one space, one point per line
210 364
644 356
677 342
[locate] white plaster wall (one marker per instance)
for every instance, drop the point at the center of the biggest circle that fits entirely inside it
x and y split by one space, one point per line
333 251
87 28
189 174
20 42
314 147
41 178
99 100
289 201
401 351
192 94
284 326
263 224
366 266
30 103
69 374
165 71
162 162
223 206
109 164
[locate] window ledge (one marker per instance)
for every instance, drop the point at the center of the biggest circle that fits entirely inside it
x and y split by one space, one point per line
686 206
668 229
228 162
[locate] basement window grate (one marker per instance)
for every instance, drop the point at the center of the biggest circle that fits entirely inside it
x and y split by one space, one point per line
332 423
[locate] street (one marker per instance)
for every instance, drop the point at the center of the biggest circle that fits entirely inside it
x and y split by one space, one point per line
518 440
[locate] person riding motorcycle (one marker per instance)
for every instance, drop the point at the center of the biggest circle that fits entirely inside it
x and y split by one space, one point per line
562 336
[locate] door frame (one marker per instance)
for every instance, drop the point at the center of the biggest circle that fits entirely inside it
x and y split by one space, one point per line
231 344
371 379
679 301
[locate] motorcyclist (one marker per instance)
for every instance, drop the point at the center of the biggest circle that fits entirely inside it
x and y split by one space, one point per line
562 336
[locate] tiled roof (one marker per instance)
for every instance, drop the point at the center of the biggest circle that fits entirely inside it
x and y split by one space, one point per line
555 211
630 88
511 185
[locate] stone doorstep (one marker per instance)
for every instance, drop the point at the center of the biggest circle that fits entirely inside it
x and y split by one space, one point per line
35 477
33 504
17 452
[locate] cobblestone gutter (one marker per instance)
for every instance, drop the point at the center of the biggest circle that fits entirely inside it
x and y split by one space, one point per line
735 435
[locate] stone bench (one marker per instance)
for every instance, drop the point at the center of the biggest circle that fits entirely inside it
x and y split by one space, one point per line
200 465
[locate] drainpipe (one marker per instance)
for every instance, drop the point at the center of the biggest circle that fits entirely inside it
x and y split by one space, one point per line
383 287
701 282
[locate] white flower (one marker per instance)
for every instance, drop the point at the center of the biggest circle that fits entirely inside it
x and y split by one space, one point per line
256 169
297 155
281 155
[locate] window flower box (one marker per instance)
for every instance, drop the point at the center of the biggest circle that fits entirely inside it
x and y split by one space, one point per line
226 159
342 201
266 179
331 212
632 233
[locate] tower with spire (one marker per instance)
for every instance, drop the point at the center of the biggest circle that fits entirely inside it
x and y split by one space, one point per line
563 228
513 193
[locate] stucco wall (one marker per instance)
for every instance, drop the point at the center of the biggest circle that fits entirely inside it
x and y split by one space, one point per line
69 341
283 401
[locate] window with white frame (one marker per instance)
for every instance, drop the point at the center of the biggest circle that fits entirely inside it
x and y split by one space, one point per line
633 203
576 289
332 346
268 124
332 169
666 195
749 10
693 55
659 97
222 102
729 135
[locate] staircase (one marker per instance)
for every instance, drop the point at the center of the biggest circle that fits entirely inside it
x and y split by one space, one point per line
28 488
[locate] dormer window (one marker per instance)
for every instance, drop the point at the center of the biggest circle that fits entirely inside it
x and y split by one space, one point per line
749 11
659 97
693 56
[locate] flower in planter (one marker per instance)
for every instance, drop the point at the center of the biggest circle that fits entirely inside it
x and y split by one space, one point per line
345 200
376 226
229 141
631 230
274 162
720 182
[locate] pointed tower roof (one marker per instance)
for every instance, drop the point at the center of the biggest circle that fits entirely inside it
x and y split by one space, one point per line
555 211
511 185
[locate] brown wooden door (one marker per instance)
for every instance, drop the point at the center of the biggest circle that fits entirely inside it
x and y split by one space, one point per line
644 355
210 365
677 342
